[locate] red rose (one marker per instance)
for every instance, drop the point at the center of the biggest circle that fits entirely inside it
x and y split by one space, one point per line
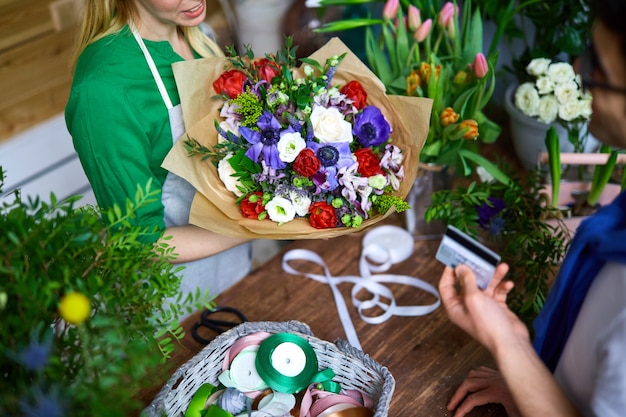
252 209
322 215
266 69
369 164
355 92
306 163
231 82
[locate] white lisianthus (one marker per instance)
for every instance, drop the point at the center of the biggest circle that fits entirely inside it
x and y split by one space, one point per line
561 72
566 92
301 203
484 175
544 85
225 171
527 99
548 109
289 146
280 210
569 111
538 66
330 126
377 182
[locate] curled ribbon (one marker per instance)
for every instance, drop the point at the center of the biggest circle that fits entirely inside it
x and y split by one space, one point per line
373 283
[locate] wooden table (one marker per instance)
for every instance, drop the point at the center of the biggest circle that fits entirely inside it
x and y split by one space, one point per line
427 355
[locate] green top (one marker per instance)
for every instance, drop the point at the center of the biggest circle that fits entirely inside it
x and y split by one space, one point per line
118 121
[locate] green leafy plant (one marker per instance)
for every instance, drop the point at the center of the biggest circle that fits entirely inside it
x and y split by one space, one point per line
82 305
510 217
434 49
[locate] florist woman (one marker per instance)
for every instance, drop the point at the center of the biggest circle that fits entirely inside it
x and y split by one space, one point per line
124 115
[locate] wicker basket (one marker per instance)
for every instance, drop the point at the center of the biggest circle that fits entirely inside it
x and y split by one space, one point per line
353 368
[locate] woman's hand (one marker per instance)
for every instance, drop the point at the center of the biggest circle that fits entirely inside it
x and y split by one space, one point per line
484 315
482 386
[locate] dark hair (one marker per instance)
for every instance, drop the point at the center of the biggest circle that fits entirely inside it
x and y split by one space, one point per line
611 13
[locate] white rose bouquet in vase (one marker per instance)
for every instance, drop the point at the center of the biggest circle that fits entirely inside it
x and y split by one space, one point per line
552 96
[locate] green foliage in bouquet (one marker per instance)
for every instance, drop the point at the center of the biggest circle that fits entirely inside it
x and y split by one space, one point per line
82 306
510 217
429 48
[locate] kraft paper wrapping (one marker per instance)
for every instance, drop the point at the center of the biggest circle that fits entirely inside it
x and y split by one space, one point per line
215 208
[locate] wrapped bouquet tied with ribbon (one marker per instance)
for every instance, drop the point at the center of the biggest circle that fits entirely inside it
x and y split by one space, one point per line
329 155
266 369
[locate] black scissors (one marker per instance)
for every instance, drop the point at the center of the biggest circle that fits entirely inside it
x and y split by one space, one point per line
222 321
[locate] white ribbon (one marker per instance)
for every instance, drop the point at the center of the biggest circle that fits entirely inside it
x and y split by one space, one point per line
373 283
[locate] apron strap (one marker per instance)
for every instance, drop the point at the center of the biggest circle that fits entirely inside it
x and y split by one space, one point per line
153 68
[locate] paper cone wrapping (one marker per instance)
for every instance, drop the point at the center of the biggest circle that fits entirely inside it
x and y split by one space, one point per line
215 208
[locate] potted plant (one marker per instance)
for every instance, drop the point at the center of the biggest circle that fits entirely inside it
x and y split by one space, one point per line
83 319
551 95
509 215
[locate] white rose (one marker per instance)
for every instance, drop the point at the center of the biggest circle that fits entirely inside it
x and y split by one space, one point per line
527 99
538 66
484 175
569 111
561 72
301 203
225 172
289 146
548 109
280 210
544 85
329 125
566 92
584 107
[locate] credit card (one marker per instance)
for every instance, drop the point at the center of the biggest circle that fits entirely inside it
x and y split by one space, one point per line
458 248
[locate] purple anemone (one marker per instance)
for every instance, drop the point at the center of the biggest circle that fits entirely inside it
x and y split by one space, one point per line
370 127
490 215
333 156
264 141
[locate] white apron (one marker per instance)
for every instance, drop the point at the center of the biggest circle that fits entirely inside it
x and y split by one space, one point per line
214 273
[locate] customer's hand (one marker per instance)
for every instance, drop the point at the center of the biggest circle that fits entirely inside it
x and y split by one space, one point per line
484 315
482 386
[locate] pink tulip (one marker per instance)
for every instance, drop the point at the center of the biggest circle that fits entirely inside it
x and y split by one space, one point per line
391 9
446 16
415 20
423 31
480 66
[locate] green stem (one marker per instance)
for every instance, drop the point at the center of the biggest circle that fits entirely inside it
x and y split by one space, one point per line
554 163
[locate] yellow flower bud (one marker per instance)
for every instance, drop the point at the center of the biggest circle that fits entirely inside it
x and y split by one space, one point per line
448 116
470 129
413 81
461 77
74 307
425 71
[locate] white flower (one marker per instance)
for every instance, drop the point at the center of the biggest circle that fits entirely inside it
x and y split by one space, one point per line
312 4
561 72
527 99
329 125
585 107
280 210
225 172
289 146
569 111
538 66
548 109
377 182
224 124
544 85
301 203
484 175
566 92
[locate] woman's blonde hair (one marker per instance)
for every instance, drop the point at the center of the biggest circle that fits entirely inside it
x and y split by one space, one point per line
105 17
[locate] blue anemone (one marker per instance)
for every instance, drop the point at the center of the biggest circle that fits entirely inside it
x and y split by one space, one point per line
370 127
333 156
264 141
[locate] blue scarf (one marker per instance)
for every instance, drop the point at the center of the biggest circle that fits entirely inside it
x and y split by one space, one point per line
599 239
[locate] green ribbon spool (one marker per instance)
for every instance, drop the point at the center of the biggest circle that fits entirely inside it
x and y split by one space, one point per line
198 400
267 370
215 411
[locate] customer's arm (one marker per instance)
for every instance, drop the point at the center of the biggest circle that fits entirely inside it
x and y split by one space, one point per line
485 316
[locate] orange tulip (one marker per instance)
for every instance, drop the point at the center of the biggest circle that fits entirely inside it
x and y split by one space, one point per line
470 129
448 116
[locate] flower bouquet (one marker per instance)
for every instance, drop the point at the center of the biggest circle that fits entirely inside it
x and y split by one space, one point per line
314 151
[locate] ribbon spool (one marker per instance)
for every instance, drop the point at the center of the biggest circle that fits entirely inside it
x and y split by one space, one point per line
286 362
199 400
